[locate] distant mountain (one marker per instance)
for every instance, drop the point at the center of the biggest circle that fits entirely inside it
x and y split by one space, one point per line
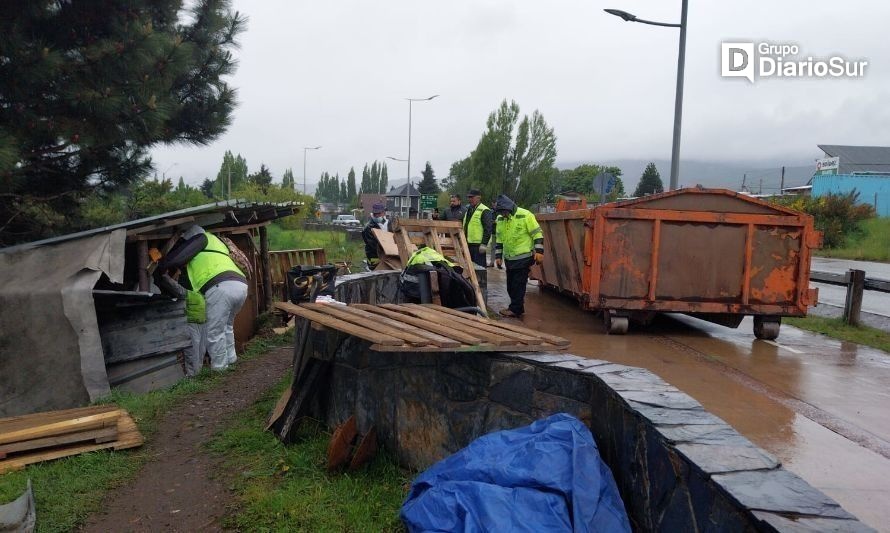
758 176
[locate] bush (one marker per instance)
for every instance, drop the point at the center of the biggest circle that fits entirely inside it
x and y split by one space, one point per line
837 216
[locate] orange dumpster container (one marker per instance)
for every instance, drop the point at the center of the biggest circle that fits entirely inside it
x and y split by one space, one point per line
710 253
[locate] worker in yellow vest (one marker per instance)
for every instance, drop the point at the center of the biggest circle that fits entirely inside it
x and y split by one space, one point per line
519 242
210 271
478 223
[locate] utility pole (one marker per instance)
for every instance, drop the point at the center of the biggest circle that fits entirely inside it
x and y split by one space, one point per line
760 189
782 186
744 177
229 196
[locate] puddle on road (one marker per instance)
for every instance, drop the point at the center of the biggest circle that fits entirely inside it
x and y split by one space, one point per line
732 375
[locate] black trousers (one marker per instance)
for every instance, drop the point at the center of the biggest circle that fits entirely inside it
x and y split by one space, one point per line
476 256
517 281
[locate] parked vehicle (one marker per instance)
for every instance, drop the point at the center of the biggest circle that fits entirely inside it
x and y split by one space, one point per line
710 253
346 220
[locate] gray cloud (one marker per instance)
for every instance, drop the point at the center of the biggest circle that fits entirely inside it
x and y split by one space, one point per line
336 74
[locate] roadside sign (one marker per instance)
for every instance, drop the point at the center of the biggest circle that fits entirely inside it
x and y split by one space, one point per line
429 201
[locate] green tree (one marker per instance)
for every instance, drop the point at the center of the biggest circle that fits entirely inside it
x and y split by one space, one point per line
344 198
375 178
581 179
510 158
384 179
650 182
232 174
262 178
428 184
181 186
85 93
287 180
207 188
350 185
366 181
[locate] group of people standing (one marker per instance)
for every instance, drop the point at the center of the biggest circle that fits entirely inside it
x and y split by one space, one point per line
518 239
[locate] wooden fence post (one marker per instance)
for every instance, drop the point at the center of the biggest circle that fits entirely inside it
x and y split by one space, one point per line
855 288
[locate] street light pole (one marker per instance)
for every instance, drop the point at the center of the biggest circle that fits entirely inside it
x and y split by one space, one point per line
305 149
408 186
402 161
678 96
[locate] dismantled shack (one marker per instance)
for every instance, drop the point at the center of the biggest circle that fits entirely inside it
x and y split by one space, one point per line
80 314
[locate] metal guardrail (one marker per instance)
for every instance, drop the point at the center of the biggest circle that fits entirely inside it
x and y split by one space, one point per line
856 284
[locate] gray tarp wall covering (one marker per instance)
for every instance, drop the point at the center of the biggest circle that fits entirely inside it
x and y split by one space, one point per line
50 351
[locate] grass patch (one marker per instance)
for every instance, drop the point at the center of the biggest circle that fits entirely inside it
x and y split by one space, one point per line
335 243
70 489
837 329
871 244
287 488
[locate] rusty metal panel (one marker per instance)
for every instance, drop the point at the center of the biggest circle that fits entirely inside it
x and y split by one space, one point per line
625 258
564 235
707 202
701 262
775 265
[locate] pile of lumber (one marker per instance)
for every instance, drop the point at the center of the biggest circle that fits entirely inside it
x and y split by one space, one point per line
424 328
51 435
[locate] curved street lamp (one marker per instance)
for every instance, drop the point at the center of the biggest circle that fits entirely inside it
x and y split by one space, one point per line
678 100
306 149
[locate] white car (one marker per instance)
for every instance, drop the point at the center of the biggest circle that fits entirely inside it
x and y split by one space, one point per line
346 220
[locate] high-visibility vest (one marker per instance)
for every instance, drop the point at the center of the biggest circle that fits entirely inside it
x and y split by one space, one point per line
517 234
474 226
210 262
427 256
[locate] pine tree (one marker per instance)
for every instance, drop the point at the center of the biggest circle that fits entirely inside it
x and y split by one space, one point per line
428 184
263 178
207 188
350 185
344 194
87 92
375 177
384 179
650 182
181 186
366 181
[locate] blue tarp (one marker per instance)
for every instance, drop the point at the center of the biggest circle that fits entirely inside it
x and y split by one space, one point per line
544 477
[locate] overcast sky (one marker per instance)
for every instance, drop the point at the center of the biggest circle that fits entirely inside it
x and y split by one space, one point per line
336 73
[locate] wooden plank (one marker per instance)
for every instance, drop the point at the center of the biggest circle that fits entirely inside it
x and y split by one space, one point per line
433 338
339 325
434 287
406 247
552 339
338 311
106 434
418 225
30 420
444 318
267 269
128 437
386 241
422 313
469 348
425 325
81 423
461 248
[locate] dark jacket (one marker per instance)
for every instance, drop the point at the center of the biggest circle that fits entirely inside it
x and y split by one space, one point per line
370 240
182 253
454 213
487 222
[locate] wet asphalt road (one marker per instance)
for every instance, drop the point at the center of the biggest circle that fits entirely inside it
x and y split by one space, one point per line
875 305
821 406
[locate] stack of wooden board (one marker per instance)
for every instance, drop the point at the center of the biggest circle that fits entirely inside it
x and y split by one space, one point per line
39 437
424 328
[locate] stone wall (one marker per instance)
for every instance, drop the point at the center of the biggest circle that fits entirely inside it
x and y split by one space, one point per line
678 467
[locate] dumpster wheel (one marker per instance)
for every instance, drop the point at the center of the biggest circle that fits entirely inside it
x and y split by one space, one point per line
767 328
615 325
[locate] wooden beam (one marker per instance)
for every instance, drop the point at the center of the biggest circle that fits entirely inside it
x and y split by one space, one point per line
433 338
339 325
428 316
369 321
425 325
552 339
62 427
490 328
267 269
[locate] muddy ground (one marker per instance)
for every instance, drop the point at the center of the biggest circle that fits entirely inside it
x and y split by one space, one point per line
182 487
